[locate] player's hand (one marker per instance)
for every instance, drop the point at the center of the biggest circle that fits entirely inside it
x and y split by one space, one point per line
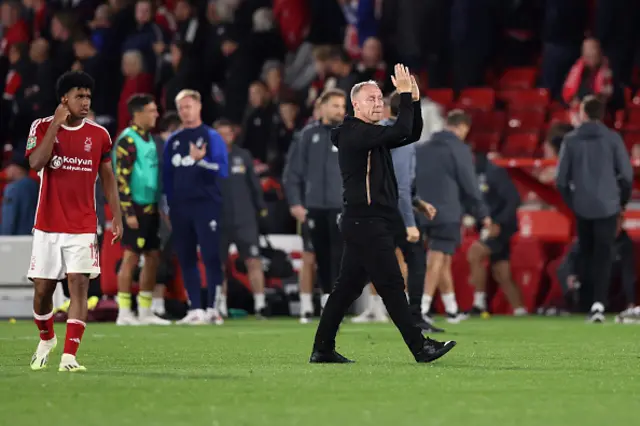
415 90
413 235
487 222
494 230
428 210
299 212
132 222
197 153
116 229
61 115
401 79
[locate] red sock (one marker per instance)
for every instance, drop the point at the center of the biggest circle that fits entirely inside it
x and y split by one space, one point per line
75 330
45 325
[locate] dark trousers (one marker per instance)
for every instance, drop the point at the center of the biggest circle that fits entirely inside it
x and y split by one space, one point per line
327 243
596 238
416 259
197 225
369 252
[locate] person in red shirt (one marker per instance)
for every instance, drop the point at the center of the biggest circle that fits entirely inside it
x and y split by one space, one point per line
68 151
15 29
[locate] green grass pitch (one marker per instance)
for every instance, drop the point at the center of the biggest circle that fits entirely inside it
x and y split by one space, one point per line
504 371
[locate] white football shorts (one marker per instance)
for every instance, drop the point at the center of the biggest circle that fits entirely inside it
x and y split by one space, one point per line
54 255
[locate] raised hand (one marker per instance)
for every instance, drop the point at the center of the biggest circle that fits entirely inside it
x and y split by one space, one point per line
61 115
401 79
415 90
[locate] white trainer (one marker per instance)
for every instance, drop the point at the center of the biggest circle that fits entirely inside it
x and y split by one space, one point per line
40 358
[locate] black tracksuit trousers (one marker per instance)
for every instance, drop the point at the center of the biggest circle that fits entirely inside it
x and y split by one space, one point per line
369 252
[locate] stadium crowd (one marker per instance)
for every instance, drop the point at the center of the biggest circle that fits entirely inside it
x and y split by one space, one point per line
260 68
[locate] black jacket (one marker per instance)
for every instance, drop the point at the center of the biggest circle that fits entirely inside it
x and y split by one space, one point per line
370 188
594 174
499 193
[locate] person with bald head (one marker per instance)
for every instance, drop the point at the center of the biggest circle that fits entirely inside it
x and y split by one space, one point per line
370 222
590 75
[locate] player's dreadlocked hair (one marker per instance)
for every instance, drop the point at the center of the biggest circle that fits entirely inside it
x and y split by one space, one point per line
72 80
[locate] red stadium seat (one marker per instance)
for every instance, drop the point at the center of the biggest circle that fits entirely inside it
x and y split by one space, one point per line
631 138
485 141
527 267
525 121
633 120
479 98
488 121
443 97
518 78
526 99
559 115
520 145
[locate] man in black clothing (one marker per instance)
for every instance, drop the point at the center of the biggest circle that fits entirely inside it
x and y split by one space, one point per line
371 222
594 178
502 198
623 268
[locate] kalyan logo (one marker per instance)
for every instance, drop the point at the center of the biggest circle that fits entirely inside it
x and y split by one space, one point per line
71 163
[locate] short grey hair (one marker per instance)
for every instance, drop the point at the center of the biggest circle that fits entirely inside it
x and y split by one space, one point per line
357 87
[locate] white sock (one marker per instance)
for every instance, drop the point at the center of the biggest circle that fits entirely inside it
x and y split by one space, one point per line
306 304
323 300
450 304
378 306
425 305
221 299
157 305
258 301
521 311
407 296
480 300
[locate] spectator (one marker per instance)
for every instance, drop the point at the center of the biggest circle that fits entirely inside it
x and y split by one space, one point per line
590 75
39 92
19 200
37 16
146 35
258 122
62 27
136 81
344 74
15 30
100 26
321 64
14 123
92 62
372 65
286 125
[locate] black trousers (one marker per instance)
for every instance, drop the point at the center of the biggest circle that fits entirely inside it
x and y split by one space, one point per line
415 257
596 238
327 243
369 252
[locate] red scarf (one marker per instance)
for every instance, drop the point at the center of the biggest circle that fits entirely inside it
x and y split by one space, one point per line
600 85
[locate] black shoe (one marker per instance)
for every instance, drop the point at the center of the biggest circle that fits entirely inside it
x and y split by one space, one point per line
432 350
263 313
475 311
428 328
333 357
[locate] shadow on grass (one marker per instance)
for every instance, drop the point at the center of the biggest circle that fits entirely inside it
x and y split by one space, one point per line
164 375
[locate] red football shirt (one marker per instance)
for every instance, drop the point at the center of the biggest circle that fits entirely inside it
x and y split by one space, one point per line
67 199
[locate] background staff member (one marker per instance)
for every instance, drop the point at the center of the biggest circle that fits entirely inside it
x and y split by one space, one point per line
502 198
594 178
243 202
314 179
